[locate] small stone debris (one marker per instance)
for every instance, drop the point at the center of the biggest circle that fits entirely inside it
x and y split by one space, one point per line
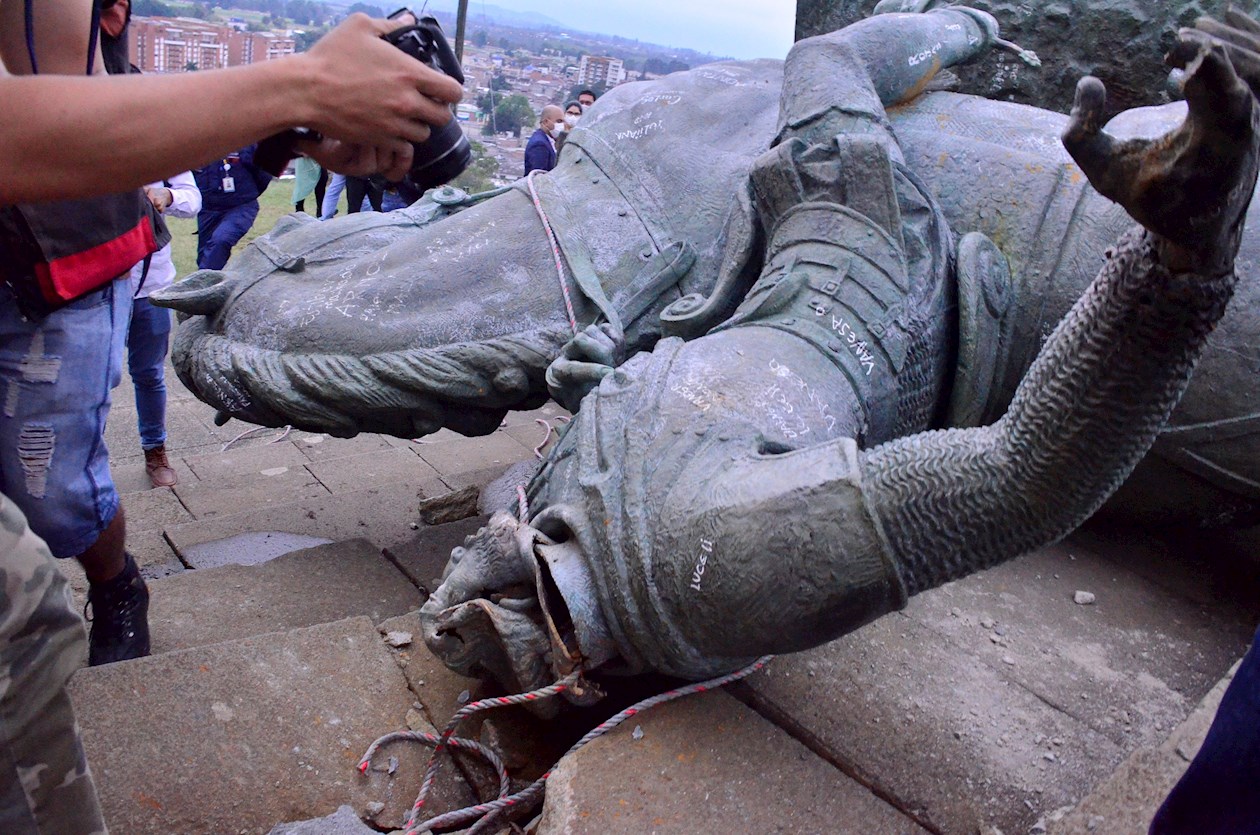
1038 828
464 696
1049 756
398 639
999 630
637 733
988 623
415 720
373 809
393 765
1006 659
955 612
1084 598
415 526
1094 822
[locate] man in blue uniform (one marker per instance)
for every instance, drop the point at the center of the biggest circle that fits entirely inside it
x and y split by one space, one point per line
229 205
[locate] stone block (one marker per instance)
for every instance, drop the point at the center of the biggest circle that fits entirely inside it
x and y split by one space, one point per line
342 822
386 465
934 728
303 588
1131 665
707 764
238 737
423 556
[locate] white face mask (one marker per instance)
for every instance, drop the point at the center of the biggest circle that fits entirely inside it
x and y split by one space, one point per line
557 129
571 119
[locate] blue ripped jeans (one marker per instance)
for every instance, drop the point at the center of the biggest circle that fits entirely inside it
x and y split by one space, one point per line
55 382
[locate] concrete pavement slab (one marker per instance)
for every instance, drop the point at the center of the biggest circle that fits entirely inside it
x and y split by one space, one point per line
469 455
383 515
302 588
1125 802
1218 568
423 556
708 764
239 737
1131 665
237 493
246 459
933 727
386 465
153 510
320 447
253 548
131 479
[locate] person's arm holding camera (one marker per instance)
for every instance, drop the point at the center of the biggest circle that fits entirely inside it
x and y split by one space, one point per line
82 136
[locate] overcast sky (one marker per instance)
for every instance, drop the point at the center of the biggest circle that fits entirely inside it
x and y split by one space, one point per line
738 28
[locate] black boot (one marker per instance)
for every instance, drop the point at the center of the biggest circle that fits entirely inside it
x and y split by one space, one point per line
120 617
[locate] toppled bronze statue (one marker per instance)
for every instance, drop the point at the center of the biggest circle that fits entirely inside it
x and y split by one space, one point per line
711 502
775 465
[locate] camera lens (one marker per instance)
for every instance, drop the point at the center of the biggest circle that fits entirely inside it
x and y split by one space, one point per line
441 158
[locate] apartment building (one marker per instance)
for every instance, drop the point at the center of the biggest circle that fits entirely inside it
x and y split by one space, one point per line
178 44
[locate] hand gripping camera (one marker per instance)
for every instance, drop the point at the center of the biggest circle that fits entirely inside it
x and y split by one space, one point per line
439 159
446 153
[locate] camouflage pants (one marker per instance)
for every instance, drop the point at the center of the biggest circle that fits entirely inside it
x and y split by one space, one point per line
45 785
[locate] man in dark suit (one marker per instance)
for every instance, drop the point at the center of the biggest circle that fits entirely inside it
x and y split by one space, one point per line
540 152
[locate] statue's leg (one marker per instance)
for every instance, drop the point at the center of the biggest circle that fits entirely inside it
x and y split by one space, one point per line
675 529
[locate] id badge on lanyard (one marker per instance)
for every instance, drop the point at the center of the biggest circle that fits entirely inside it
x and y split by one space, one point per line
229 183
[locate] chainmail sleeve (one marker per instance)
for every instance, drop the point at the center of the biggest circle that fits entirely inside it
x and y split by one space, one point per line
957 501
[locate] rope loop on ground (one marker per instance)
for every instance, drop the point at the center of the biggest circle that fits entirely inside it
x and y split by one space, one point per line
484 815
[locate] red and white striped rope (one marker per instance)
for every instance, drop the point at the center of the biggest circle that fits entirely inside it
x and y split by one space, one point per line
482 812
555 250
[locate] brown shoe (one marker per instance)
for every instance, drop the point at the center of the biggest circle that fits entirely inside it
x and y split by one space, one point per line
159 468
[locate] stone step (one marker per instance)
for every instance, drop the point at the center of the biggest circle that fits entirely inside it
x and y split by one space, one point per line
238 737
303 588
997 699
1125 802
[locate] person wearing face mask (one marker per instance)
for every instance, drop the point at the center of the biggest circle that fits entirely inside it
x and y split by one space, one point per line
540 152
572 114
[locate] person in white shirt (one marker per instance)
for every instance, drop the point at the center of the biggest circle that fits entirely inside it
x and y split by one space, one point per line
148 339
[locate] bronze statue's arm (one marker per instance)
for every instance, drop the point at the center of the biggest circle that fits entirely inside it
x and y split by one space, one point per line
954 502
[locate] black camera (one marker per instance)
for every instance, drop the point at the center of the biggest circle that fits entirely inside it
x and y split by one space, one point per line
436 161
446 153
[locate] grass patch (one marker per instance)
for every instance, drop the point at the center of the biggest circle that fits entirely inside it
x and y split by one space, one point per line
275 203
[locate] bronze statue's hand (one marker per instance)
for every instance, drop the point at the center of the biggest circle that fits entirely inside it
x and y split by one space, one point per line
1240 36
585 360
1192 186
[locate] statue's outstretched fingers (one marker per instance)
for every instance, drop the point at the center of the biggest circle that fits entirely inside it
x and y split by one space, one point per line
1241 20
1228 33
1095 151
1243 49
1217 97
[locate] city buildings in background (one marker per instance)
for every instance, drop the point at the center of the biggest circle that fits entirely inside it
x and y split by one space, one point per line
600 71
181 44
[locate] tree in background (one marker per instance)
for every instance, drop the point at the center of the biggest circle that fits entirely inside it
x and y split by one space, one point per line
481 37
511 114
